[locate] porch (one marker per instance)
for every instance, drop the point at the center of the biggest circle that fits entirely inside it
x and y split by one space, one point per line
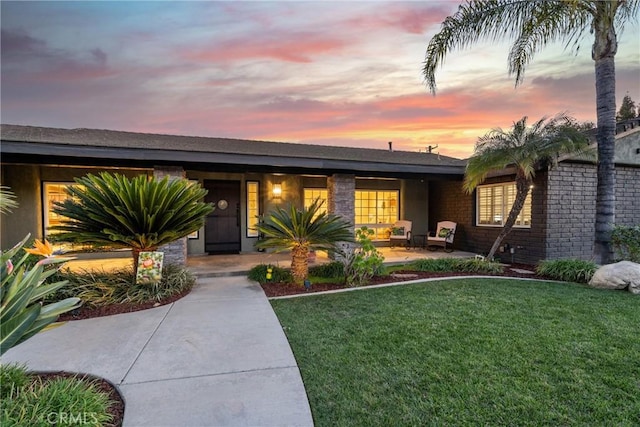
240 264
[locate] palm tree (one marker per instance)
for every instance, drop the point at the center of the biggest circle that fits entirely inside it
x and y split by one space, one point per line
534 25
301 231
526 149
141 213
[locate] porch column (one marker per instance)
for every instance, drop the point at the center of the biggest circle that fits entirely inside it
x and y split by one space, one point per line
174 252
341 195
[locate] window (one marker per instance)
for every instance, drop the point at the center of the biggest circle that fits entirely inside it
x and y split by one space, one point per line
253 208
494 204
311 194
52 193
376 209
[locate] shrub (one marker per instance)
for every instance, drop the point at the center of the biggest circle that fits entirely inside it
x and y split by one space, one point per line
626 242
331 270
12 377
32 401
468 265
568 270
278 274
21 313
100 288
363 262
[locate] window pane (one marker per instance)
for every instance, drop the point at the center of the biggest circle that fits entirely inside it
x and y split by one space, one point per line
311 194
494 203
53 193
253 208
377 210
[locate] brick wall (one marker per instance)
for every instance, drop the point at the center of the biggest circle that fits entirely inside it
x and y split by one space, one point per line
572 207
174 252
447 201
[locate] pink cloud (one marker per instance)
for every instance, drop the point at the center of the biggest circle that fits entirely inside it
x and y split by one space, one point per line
301 47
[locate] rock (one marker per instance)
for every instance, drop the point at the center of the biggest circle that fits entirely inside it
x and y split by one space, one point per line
620 275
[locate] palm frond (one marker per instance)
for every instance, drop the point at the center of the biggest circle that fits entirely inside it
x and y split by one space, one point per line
530 24
140 212
524 147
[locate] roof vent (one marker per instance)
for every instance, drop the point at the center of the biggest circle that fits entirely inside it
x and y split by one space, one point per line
390 145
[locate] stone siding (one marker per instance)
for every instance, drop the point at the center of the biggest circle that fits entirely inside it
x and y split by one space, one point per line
341 193
174 252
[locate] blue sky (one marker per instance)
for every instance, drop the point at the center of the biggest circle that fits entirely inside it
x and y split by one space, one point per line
339 73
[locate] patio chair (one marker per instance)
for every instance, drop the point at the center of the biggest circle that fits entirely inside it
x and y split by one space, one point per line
443 237
400 232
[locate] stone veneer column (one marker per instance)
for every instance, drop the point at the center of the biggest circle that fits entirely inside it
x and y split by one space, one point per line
174 252
341 196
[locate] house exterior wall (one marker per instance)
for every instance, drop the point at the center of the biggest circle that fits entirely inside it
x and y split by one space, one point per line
26 181
174 252
448 202
572 207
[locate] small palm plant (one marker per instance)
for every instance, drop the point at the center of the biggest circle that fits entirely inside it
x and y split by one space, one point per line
301 231
141 213
526 148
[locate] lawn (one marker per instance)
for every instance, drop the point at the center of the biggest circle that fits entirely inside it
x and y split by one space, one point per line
469 352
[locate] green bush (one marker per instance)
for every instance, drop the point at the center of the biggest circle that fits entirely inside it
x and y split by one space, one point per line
100 288
363 262
462 265
32 401
12 377
278 274
331 270
568 270
626 242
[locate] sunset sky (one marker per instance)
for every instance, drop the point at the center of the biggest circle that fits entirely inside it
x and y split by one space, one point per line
337 73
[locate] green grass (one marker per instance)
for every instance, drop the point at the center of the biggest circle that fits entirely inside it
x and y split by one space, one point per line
29 401
469 352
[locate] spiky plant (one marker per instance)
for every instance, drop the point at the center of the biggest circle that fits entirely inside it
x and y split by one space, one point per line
7 200
526 148
140 213
302 230
532 25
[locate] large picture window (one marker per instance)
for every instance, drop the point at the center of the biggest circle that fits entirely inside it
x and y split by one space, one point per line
377 209
494 204
253 207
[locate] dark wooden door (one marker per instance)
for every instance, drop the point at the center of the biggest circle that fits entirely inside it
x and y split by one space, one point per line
222 227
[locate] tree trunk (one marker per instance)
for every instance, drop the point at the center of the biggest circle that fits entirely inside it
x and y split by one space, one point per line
522 190
300 263
604 50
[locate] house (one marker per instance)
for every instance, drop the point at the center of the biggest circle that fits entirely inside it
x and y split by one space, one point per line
372 187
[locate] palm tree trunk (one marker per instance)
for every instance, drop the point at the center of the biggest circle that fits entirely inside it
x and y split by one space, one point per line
300 263
522 190
604 50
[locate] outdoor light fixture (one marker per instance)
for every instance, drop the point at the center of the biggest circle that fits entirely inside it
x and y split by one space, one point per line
277 190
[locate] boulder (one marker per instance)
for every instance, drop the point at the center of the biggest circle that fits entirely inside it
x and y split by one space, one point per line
620 275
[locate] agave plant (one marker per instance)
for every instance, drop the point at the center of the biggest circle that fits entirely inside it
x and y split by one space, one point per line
301 231
21 314
141 213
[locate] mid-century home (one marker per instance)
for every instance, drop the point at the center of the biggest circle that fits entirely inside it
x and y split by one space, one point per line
369 187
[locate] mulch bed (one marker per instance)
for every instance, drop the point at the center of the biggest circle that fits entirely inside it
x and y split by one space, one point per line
87 312
284 289
116 409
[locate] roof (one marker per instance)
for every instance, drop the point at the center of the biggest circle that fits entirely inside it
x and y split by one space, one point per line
109 144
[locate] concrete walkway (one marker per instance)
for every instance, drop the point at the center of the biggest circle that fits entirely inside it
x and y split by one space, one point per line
217 357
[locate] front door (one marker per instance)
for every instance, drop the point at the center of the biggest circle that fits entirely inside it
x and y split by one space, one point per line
222 227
